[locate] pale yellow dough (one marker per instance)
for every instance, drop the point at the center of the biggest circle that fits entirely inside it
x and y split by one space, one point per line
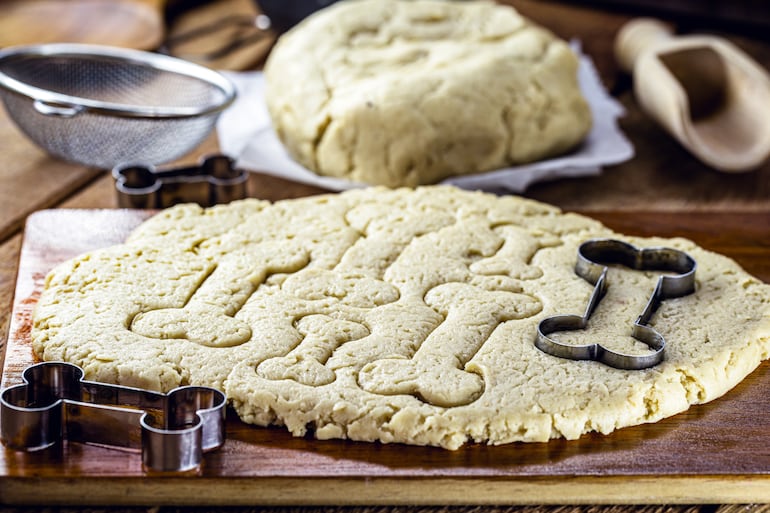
404 315
408 92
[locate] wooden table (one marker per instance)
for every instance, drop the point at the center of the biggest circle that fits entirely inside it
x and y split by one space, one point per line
663 190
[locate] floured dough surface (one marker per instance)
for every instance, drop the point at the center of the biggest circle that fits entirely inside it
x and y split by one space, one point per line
404 315
408 92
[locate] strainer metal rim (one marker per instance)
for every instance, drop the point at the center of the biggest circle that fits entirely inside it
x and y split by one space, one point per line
130 57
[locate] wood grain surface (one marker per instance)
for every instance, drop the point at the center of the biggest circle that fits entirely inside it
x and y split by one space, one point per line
654 508
718 452
31 179
662 180
126 23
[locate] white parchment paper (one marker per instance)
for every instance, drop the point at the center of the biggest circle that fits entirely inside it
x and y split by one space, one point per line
246 133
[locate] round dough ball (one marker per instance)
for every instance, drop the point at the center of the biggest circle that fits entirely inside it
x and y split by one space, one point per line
410 92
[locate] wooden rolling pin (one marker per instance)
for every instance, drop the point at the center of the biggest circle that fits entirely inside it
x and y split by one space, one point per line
705 91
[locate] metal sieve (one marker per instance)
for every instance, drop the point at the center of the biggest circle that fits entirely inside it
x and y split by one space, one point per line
101 106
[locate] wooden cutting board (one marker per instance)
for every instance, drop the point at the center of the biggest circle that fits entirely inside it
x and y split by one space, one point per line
713 453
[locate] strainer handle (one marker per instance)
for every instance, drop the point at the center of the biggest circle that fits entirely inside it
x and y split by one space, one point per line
62 110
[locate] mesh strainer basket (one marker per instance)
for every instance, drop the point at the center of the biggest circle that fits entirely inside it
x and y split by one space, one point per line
101 106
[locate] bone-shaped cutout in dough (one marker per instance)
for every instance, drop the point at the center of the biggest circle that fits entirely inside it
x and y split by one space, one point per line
514 257
442 256
207 318
397 329
306 363
387 231
436 373
349 288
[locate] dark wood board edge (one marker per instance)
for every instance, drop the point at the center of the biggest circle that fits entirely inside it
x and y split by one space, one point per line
279 491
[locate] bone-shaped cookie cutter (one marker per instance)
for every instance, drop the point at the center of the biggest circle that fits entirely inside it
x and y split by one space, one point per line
593 258
215 179
55 403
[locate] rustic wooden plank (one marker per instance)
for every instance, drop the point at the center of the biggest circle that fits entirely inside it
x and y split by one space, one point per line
743 508
716 452
229 47
128 23
729 508
366 491
30 179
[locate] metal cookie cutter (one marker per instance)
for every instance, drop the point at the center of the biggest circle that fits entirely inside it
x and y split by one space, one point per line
55 403
593 258
215 179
